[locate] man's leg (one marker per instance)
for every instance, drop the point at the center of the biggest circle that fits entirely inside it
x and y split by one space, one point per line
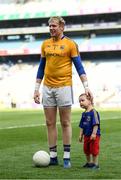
65 119
50 114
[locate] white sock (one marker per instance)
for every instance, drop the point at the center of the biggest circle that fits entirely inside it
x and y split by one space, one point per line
53 154
66 155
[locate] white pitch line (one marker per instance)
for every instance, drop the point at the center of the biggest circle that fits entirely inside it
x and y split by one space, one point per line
43 124
23 126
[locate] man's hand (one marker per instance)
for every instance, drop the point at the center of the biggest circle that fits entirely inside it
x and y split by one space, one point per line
83 78
37 97
89 93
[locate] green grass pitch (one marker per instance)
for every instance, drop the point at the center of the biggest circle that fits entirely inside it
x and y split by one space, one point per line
22 133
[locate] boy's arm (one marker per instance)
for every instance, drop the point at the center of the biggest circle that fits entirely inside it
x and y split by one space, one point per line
81 135
94 132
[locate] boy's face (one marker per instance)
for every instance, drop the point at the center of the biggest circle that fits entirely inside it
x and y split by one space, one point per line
84 102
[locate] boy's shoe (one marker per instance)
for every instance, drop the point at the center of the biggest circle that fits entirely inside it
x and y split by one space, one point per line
66 163
88 165
95 166
53 161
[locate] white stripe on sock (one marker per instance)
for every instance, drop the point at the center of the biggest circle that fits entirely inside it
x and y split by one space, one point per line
53 154
66 155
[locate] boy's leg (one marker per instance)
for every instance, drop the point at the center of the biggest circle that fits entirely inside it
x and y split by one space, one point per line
87 152
94 147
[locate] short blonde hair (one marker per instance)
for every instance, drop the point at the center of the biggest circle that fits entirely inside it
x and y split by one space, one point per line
58 18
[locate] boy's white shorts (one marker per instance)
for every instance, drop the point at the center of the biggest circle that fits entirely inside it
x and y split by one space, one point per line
62 96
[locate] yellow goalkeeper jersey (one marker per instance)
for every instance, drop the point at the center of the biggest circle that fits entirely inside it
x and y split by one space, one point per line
58 68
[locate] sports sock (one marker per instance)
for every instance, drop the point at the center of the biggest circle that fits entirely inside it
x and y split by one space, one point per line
53 151
66 151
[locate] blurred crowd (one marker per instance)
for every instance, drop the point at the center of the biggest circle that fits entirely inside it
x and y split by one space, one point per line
17 84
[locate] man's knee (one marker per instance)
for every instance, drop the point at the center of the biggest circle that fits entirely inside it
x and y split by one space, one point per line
50 123
65 124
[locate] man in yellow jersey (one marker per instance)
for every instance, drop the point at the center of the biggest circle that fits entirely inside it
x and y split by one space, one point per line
57 55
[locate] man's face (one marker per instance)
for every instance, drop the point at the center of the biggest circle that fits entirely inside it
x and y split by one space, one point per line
55 29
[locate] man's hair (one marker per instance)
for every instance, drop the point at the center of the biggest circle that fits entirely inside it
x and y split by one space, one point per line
58 18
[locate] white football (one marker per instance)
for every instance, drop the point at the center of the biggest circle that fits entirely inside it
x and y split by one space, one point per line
41 158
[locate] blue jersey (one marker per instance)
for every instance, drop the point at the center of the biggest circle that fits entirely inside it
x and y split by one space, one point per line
88 121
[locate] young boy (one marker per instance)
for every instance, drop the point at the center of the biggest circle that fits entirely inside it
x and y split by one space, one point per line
90 130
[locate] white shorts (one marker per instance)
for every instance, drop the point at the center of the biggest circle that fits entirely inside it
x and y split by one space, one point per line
62 96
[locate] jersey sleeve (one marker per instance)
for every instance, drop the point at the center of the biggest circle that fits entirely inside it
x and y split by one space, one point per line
74 50
42 50
75 56
40 72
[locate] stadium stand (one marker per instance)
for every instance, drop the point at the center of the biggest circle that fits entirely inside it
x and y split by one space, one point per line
96 29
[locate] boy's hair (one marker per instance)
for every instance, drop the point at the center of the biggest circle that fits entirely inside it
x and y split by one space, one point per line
88 97
58 18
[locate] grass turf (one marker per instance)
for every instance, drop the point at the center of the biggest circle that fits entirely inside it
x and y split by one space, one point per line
22 133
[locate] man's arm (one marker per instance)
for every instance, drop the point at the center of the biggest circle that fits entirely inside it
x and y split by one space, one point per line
40 74
81 72
84 80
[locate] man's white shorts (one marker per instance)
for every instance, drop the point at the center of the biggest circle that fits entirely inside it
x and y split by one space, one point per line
62 96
